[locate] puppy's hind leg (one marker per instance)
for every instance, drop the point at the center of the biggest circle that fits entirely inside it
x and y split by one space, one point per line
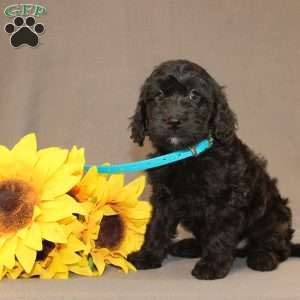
270 242
266 254
190 248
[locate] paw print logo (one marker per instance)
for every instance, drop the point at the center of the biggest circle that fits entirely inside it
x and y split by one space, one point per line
24 31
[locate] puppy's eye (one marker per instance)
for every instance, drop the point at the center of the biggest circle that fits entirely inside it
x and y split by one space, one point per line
194 95
159 95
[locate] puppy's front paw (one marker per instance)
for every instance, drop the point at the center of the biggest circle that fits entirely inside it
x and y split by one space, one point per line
207 270
262 261
144 260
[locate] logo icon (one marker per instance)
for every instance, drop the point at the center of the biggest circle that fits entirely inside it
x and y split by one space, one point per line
24 29
24 32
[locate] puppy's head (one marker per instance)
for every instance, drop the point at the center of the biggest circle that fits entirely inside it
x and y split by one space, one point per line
179 105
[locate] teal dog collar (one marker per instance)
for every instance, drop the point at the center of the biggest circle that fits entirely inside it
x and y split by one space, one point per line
156 161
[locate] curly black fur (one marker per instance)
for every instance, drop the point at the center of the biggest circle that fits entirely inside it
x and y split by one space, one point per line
222 196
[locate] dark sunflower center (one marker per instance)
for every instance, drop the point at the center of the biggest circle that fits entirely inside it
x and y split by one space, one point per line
9 199
17 200
111 232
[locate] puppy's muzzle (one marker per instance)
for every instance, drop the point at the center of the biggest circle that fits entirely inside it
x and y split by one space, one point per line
174 123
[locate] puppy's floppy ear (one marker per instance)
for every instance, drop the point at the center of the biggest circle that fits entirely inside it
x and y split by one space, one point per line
138 122
223 123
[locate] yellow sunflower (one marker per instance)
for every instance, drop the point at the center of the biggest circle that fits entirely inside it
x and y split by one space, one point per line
58 260
33 199
116 219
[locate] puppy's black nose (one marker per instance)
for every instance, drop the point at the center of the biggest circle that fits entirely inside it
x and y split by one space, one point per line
174 122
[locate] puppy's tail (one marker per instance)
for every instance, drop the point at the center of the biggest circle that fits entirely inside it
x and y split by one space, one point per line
295 250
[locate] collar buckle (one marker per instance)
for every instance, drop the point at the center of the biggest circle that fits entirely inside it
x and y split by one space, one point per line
194 151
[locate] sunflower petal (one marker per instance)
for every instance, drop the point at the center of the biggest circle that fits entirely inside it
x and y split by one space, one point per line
26 144
26 256
131 243
25 150
75 227
74 244
53 232
2 272
95 218
87 186
7 252
15 272
68 257
47 195
21 233
138 227
40 269
119 262
59 185
2 240
7 164
76 157
57 266
99 262
61 208
107 210
81 268
115 183
36 212
90 176
5 154
61 275
36 271
137 186
101 191
88 206
124 199
142 211
33 237
40 172
55 158
47 274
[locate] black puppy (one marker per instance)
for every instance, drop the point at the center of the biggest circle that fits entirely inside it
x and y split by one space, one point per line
222 196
